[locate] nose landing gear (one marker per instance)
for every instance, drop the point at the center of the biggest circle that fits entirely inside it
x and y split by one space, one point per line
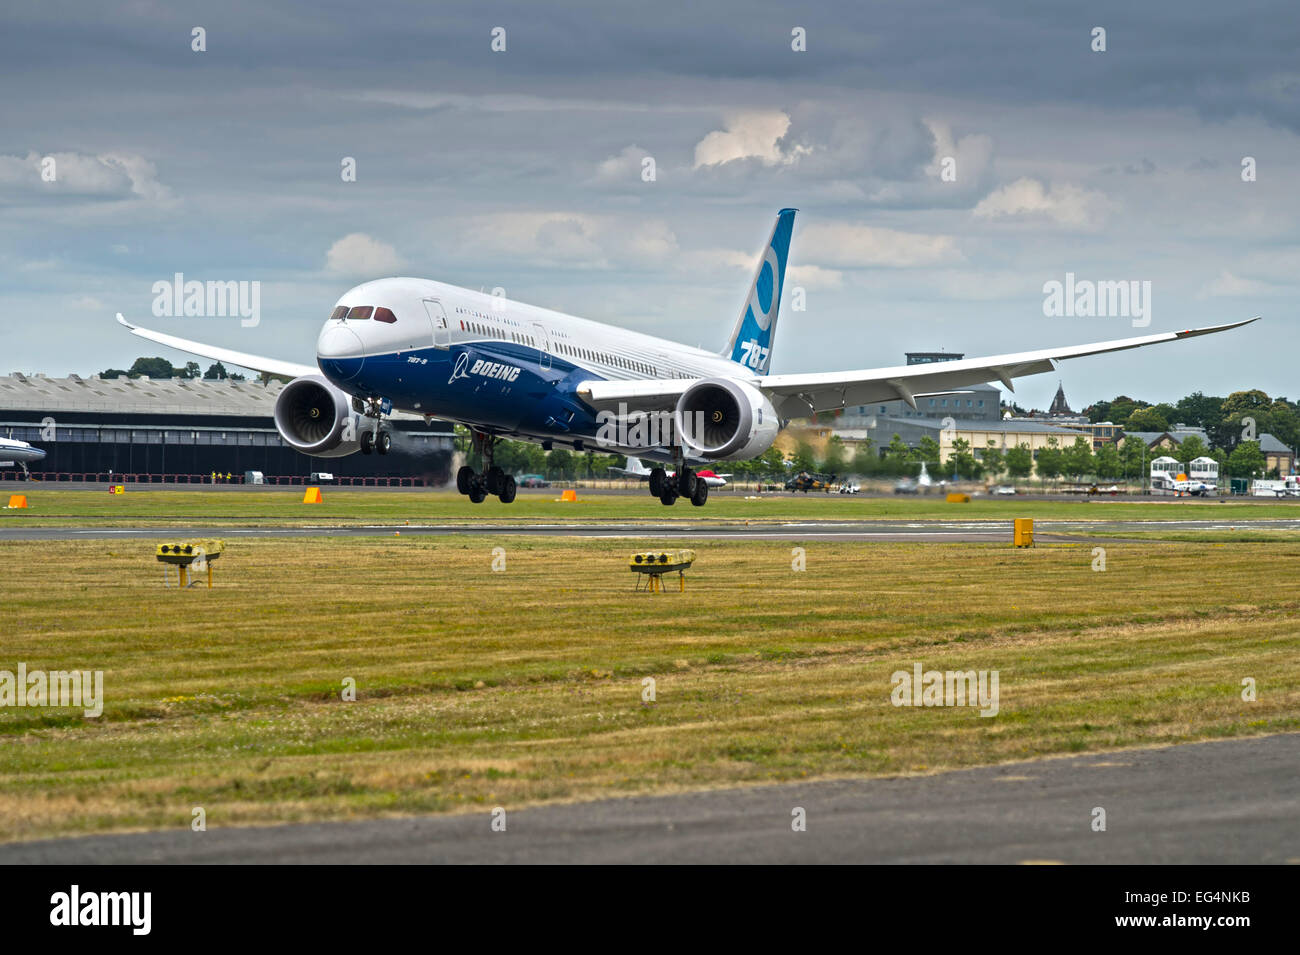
376 438
493 480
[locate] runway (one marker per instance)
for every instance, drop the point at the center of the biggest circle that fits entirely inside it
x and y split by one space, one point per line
881 530
1231 801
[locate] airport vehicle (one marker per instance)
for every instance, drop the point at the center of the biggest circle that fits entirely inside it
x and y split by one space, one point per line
13 451
807 481
510 370
850 487
533 480
1005 490
1285 487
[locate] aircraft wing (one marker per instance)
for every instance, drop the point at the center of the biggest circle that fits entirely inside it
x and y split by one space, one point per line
797 396
272 366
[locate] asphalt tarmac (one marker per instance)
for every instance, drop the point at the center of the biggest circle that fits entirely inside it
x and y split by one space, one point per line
1229 801
884 530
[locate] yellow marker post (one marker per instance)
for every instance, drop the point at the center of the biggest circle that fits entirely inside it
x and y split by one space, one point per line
1022 534
312 496
17 500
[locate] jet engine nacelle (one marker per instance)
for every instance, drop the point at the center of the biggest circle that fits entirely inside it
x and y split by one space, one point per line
316 418
720 418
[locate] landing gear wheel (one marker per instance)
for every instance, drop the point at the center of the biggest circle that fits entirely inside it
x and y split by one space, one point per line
477 494
492 480
367 442
669 494
508 488
464 479
384 443
656 482
701 492
685 481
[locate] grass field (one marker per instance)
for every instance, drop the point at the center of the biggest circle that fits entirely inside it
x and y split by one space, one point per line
285 507
478 688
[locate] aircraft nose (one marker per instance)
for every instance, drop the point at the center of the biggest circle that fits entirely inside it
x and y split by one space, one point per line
339 352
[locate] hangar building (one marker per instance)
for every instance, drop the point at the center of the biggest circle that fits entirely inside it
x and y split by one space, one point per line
184 429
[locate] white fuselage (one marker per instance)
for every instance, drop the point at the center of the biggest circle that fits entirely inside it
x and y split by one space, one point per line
490 362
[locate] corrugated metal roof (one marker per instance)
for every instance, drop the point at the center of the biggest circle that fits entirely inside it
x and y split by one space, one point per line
137 395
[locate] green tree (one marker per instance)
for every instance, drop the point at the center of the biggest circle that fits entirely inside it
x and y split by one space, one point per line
1077 460
993 460
152 368
1106 462
560 465
769 464
1199 410
216 372
1191 449
1146 419
1246 460
833 460
1020 461
1049 462
927 450
962 461
1284 423
1134 455
865 461
802 459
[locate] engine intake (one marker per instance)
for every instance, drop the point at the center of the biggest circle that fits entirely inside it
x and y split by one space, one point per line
316 418
723 418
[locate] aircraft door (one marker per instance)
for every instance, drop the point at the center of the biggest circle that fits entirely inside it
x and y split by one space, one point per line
437 315
544 343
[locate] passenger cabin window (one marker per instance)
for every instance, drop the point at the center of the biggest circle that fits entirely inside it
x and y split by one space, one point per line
360 312
385 315
339 312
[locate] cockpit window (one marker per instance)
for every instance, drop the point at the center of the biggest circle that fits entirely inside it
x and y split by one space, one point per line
360 312
339 311
385 315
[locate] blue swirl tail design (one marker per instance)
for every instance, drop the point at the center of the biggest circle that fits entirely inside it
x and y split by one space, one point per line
751 342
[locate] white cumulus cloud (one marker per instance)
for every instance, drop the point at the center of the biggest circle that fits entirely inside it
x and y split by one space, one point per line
844 245
108 175
571 239
360 254
1064 204
749 135
1231 285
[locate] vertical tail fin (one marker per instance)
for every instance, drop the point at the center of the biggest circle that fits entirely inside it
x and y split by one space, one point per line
751 342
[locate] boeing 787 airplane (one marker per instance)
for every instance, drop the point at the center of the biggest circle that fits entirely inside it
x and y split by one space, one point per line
509 370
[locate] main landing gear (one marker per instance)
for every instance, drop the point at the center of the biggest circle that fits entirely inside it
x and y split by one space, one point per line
492 481
376 438
684 483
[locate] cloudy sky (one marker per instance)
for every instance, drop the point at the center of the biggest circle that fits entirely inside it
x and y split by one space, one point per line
524 169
